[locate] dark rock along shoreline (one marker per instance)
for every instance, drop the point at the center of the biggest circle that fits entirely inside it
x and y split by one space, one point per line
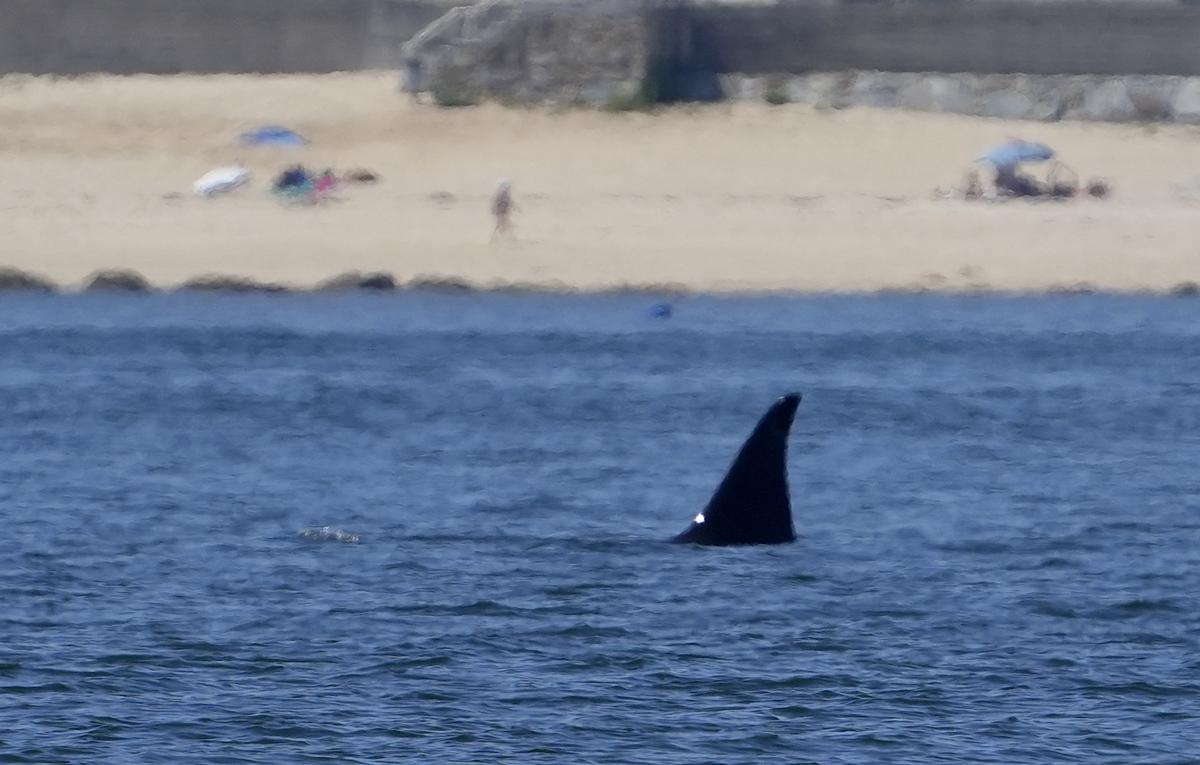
125 281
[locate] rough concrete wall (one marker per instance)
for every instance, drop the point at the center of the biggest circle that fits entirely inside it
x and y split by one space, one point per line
1046 97
595 51
982 36
393 23
171 36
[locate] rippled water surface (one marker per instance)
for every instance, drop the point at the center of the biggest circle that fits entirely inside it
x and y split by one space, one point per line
429 528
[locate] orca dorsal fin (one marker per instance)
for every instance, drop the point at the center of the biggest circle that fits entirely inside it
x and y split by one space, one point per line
752 505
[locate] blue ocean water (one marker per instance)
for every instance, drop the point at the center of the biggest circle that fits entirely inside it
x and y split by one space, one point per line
430 528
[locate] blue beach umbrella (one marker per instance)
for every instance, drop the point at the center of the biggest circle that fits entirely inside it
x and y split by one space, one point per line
1009 155
274 135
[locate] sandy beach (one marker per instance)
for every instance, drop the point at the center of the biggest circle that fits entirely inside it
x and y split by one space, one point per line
738 197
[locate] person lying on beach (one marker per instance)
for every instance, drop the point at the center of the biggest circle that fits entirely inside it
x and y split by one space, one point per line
326 182
294 177
1011 183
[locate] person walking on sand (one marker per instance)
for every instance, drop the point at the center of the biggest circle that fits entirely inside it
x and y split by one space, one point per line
502 208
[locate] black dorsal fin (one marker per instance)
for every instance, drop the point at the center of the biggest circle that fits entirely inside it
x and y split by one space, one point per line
752 505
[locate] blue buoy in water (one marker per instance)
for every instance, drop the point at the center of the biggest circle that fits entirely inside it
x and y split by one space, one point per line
661 311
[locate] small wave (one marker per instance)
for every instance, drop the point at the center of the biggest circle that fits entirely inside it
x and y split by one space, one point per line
1154 638
122 659
870 739
1139 526
476 608
330 534
820 646
1108 742
1047 607
416 662
45 688
1173 716
1056 563
792 711
975 547
584 588
1136 607
437 696
750 685
1138 688
896 613
584 631
801 578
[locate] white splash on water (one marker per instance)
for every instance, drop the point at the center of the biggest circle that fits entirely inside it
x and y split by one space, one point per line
331 534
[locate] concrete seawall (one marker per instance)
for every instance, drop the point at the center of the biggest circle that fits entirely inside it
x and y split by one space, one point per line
1051 37
1047 98
1111 60
68 37
1118 37
1120 60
